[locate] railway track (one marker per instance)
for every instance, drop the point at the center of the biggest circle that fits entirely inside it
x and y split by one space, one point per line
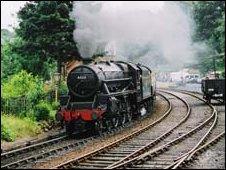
123 147
28 155
143 145
21 150
197 159
125 153
162 157
22 156
32 142
32 154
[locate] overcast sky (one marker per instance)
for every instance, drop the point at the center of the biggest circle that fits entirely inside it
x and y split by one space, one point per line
10 8
8 13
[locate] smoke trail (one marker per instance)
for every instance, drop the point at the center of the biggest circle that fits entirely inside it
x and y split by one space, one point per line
154 33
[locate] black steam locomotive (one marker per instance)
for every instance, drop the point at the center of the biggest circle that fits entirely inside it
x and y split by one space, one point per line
105 95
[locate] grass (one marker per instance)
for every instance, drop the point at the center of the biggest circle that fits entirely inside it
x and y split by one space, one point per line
17 127
20 127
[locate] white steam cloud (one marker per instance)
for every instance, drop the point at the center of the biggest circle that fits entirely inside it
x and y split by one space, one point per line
152 33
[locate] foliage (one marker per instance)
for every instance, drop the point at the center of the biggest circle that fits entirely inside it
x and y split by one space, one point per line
63 89
23 84
47 31
6 134
21 92
210 27
55 105
19 127
42 111
10 61
209 18
14 61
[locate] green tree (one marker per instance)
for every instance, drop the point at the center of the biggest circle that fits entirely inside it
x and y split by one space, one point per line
9 61
14 61
47 32
209 19
22 84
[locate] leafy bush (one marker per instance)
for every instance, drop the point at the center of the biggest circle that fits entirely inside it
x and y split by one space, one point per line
2 103
22 91
7 134
9 61
55 105
63 89
22 84
42 111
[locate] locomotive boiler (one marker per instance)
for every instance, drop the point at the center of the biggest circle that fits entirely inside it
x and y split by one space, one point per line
105 95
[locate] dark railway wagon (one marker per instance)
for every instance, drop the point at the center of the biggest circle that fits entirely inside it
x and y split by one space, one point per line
213 89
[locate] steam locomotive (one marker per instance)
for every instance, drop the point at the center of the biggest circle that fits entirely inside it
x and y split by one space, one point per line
105 95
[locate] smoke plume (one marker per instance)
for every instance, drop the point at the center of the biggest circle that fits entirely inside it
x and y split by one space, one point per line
153 33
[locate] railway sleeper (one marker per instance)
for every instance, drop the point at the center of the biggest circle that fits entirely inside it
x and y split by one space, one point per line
107 162
92 165
131 149
120 155
149 166
125 152
84 167
113 158
159 162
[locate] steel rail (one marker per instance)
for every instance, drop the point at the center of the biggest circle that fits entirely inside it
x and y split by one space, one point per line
206 145
54 151
157 140
11 153
117 142
196 152
44 154
204 138
155 152
33 142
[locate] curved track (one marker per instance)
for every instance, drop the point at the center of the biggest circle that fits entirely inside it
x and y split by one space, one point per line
172 141
164 144
41 151
22 156
134 143
179 148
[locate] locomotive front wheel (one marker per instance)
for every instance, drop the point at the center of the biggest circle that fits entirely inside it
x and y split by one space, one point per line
107 124
128 117
122 119
115 122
